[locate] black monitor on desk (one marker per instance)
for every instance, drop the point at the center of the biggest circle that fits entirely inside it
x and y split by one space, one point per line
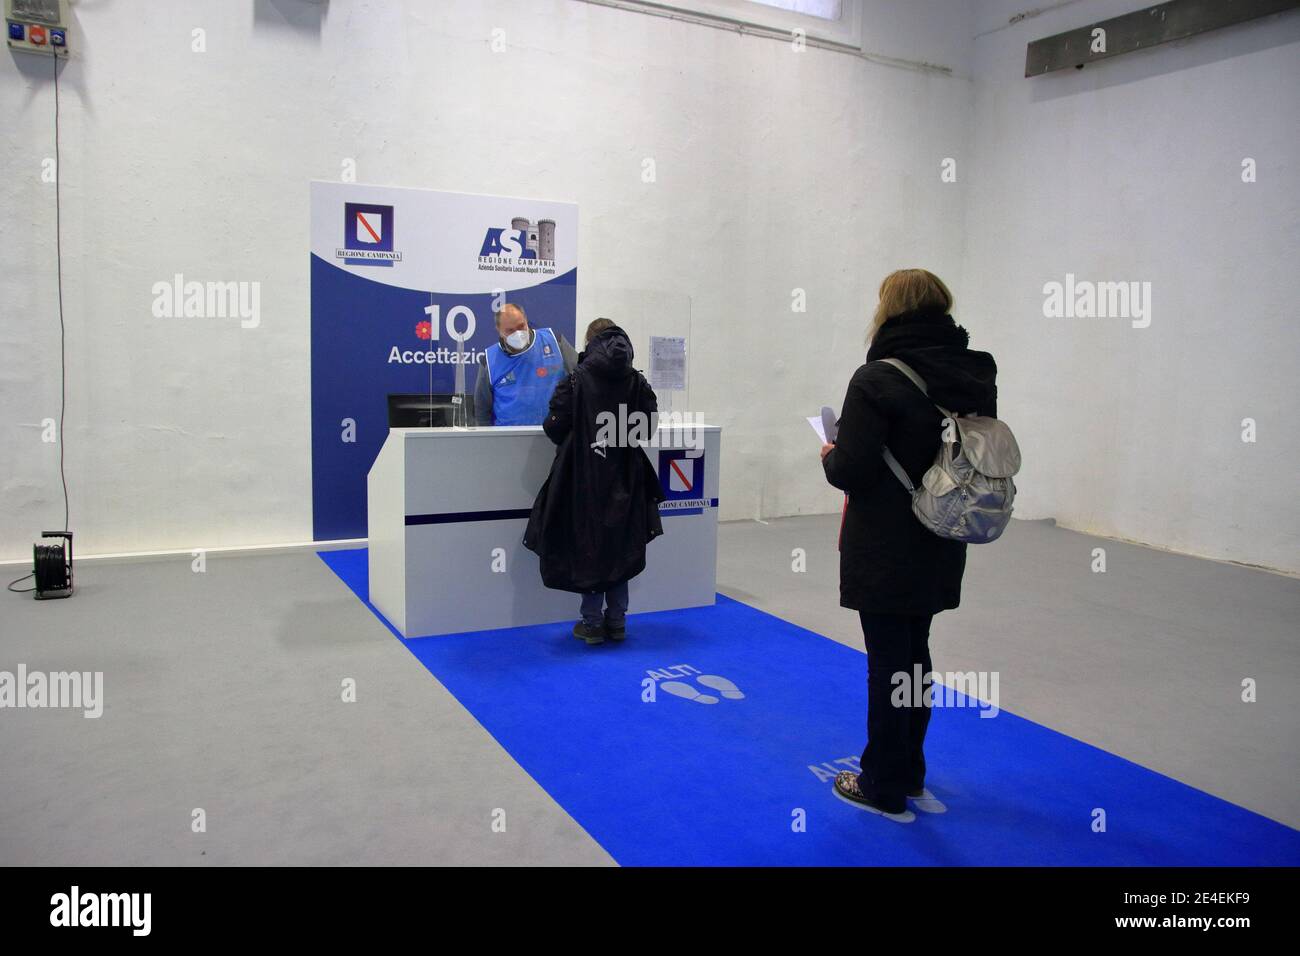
425 410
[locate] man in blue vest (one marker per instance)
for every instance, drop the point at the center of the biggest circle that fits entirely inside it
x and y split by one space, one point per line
520 372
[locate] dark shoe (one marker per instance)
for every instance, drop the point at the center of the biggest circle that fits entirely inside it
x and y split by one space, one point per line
617 631
847 789
592 635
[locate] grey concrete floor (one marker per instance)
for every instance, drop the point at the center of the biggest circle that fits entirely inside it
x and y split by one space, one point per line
224 692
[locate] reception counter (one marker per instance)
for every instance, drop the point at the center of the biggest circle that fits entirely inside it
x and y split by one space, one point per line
447 508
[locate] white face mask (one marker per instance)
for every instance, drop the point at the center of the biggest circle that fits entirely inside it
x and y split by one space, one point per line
517 340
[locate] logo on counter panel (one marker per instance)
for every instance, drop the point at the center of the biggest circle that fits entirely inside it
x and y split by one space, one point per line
681 478
527 246
367 235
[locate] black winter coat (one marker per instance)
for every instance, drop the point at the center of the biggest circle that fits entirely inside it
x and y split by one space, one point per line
889 562
596 512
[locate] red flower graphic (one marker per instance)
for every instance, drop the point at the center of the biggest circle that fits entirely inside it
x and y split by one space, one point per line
423 330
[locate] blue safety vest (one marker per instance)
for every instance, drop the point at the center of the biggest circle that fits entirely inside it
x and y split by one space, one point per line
522 383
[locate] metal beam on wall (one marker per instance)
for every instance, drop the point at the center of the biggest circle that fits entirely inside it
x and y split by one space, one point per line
1175 20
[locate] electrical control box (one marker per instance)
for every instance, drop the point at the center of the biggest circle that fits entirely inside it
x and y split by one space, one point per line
37 26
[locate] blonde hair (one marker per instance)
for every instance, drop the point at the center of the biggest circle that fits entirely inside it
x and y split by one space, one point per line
908 290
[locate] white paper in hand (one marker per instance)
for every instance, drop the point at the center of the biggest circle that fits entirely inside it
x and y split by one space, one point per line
830 424
816 422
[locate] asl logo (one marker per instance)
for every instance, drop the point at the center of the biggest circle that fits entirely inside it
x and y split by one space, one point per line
507 244
525 239
367 235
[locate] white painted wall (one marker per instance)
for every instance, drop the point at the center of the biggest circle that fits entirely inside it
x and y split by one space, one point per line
776 170
1131 170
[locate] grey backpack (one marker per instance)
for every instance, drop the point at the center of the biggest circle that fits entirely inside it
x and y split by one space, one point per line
966 494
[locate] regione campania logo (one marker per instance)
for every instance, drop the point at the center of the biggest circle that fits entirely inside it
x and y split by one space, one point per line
681 478
368 235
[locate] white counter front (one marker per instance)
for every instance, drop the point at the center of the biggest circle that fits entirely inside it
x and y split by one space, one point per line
447 508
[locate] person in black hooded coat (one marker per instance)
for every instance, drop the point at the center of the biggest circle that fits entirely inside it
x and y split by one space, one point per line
599 507
895 572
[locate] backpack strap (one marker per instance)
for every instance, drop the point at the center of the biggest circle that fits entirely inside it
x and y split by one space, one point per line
918 382
910 373
897 469
888 455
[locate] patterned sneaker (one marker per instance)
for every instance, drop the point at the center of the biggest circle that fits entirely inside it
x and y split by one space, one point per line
847 789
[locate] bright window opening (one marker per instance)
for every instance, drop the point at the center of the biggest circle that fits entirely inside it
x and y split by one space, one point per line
825 9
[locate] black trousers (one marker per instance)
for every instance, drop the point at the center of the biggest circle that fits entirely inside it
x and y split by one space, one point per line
894 762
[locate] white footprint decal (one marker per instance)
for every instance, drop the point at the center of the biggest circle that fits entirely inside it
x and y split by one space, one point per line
723 686
678 689
927 802
907 816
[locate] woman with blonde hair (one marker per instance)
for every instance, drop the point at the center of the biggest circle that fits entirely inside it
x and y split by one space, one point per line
893 571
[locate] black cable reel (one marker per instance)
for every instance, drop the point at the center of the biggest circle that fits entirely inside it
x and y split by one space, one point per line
53 566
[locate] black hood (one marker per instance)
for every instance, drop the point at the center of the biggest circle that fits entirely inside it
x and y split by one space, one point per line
609 354
934 345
